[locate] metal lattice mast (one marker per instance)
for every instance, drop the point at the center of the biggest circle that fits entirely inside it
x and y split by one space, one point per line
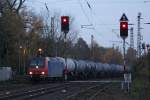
52 26
53 35
139 35
131 38
92 46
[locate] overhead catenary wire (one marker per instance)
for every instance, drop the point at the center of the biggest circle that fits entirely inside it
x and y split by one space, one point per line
89 6
86 15
94 25
49 2
106 25
46 7
82 8
64 1
81 5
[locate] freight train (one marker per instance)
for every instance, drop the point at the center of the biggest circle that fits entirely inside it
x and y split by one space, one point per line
58 68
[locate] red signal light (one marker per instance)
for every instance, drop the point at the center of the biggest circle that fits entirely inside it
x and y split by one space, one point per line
124 29
64 20
124 25
65 24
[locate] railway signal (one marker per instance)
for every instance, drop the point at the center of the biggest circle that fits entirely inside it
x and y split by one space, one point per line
65 24
65 29
124 26
124 33
124 29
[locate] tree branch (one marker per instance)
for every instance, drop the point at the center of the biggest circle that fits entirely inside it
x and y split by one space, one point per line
19 6
9 4
13 5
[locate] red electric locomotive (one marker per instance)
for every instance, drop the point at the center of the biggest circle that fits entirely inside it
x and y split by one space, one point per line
38 68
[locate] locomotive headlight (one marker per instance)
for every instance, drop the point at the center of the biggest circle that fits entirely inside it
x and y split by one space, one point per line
42 73
37 67
30 73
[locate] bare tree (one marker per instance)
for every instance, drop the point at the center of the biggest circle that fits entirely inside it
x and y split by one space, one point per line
15 5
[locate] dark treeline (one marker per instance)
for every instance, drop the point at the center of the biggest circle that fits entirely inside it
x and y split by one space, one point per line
22 33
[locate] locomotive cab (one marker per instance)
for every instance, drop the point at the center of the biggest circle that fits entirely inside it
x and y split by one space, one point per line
38 67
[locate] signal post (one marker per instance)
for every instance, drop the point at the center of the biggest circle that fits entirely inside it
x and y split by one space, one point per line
65 30
124 35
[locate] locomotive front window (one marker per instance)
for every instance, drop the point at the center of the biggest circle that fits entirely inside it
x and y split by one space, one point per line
37 62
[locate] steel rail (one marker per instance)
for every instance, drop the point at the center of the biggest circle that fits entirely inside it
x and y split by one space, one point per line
32 93
83 91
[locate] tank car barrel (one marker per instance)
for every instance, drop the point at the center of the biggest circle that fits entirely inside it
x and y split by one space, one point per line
55 67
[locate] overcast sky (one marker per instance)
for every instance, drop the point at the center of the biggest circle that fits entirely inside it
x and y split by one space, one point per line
103 14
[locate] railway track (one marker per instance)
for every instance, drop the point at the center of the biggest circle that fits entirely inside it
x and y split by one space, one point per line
31 92
77 91
17 82
88 93
8 87
62 91
19 87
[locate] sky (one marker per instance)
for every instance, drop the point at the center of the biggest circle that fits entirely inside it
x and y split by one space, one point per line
104 15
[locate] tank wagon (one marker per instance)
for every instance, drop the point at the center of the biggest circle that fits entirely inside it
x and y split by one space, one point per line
58 67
